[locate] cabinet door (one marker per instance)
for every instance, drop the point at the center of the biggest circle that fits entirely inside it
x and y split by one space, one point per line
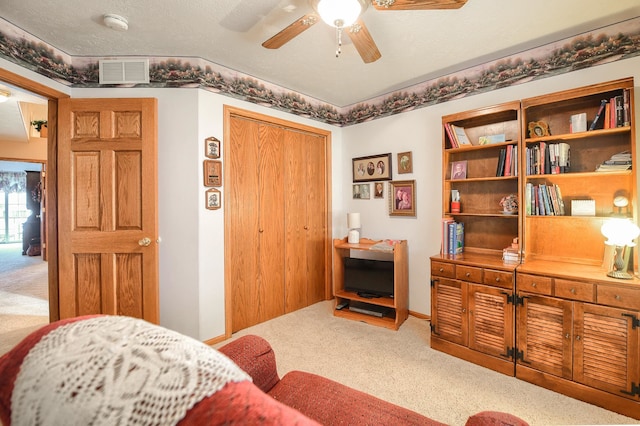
449 310
490 320
544 334
606 349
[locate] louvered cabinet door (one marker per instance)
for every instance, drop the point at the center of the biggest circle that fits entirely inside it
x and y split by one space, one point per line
606 349
449 313
491 329
545 334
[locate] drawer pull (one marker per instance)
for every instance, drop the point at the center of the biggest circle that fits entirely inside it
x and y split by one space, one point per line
497 279
618 297
566 336
464 310
441 269
578 337
573 291
468 274
534 285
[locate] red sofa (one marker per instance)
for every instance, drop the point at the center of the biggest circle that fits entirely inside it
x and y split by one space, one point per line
298 398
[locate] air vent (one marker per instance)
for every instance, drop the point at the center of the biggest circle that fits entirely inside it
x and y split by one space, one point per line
124 71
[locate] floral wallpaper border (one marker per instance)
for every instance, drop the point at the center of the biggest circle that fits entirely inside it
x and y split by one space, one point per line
604 45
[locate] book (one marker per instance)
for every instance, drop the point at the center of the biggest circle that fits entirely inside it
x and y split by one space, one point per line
560 201
487 140
626 112
507 161
460 135
501 158
459 246
619 115
527 198
451 229
449 132
594 123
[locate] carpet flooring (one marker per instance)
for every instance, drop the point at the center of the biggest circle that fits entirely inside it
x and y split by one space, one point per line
24 295
400 367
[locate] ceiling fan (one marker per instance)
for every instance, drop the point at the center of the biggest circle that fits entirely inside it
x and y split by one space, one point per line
345 15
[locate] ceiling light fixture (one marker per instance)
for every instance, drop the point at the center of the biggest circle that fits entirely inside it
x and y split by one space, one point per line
340 14
115 22
4 95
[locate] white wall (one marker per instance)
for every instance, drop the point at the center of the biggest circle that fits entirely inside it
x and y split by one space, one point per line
420 131
192 247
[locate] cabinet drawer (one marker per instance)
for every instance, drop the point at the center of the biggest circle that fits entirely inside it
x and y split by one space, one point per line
469 273
575 290
441 269
533 284
498 278
619 296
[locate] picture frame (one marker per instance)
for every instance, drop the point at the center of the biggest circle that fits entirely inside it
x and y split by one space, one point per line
378 190
212 147
212 199
212 173
458 170
361 191
405 162
402 198
372 168
538 129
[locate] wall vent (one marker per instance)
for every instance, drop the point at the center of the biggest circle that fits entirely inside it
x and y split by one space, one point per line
124 71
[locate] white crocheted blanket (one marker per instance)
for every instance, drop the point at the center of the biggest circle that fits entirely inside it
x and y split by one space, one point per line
114 370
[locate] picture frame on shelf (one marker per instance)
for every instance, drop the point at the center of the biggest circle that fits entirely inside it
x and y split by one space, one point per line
538 129
402 198
212 173
361 191
213 199
458 170
405 162
372 168
212 147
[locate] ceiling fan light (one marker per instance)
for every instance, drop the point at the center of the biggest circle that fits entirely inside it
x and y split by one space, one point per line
340 13
4 95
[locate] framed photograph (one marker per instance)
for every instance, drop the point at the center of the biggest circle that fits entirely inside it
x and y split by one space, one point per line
402 198
378 190
212 147
212 199
538 129
212 173
374 167
458 170
361 191
405 162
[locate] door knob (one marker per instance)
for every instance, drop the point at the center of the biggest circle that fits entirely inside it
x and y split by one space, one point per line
144 242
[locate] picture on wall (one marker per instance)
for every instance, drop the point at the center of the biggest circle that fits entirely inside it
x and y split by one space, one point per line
212 173
372 168
405 162
402 198
378 190
212 199
212 147
361 191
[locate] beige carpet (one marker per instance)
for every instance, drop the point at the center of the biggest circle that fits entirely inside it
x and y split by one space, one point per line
399 366
24 297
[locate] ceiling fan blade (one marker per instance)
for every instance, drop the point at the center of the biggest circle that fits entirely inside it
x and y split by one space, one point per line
417 4
362 40
291 31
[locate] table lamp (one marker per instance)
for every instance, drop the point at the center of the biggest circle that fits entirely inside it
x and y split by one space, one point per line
353 223
620 233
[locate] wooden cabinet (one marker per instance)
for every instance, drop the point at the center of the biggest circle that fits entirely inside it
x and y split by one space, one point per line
276 233
580 336
398 310
472 310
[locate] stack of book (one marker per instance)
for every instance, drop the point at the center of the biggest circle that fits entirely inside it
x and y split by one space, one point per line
452 236
508 161
457 135
512 253
548 158
620 161
613 112
543 200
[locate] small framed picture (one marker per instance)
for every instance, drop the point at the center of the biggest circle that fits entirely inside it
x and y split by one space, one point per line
378 190
402 198
212 199
538 129
361 191
372 168
405 162
212 173
212 147
458 170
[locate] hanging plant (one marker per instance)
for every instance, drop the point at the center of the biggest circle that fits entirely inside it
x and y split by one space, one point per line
39 124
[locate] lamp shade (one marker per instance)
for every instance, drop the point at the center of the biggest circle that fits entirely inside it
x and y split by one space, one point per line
620 232
339 13
353 220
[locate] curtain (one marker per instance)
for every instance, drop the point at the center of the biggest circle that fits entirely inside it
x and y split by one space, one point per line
13 181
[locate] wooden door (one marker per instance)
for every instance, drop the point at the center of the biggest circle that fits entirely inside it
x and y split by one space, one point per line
317 227
449 310
107 207
544 335
491 326
606 349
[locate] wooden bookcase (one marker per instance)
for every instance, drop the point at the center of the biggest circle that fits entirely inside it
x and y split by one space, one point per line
398 305
574 330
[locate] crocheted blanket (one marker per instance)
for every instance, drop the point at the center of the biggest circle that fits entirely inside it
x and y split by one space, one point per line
110 370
